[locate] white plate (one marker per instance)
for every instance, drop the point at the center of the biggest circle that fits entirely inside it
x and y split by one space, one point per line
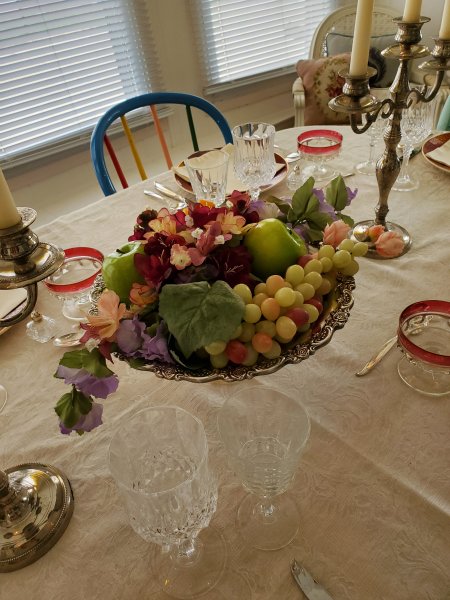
436 142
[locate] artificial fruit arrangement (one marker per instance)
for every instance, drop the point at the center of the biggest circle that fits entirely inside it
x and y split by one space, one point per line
209 287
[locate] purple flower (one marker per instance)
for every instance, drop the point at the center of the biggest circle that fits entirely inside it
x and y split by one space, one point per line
265 210
130 335
88 384
86 422
350 194
155 348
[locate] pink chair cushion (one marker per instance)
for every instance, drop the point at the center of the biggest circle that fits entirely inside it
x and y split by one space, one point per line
322 82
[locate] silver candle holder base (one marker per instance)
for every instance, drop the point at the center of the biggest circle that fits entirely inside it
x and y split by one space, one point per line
356 100
36 500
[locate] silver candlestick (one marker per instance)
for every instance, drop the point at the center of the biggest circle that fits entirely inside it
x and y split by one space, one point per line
357 100
36 500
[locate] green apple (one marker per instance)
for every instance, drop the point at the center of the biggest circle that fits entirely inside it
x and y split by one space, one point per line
119 272
274 247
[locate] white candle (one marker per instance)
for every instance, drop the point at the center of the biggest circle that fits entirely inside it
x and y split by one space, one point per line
361 38
411 13
444 31
9 215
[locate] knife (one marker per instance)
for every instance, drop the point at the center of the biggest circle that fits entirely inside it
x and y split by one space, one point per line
308 585
377 357
170 193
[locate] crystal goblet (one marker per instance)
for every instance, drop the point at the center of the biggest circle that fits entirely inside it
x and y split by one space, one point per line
72 281
424 339
264 433
319 146
159 460
416 126
254 157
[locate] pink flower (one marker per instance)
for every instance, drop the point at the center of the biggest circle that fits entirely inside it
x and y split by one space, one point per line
389 244
374 232
335 232
110 312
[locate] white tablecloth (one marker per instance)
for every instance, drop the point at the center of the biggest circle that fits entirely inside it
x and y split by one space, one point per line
373 486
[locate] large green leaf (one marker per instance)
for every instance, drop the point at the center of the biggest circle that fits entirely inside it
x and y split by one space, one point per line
198 313
336 193
93 362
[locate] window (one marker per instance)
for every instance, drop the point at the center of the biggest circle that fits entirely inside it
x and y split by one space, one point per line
241 41
63 63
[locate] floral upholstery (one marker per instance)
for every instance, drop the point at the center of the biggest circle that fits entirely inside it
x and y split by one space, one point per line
321 82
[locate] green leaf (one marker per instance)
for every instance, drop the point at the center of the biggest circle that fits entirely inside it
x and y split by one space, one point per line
198 313
301 198
93 362
315 235
319 219
71 406
346 219
336 193
283 206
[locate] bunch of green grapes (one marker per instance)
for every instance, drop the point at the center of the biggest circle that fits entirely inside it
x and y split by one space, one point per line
281 307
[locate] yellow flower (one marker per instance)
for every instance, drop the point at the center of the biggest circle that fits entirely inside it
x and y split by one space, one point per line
230 222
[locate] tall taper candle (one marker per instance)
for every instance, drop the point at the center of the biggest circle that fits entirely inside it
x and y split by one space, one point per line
411 12
9 214
444 31
361 38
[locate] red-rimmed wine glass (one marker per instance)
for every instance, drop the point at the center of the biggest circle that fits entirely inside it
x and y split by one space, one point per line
73 280
319 146
424 339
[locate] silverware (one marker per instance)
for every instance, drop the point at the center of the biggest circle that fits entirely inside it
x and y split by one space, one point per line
377 357
170 193
68 339
154 195
308 585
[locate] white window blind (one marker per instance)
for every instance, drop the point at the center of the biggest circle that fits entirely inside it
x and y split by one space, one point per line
246 40
63 63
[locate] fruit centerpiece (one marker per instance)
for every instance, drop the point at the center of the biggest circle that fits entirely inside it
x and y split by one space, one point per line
207 293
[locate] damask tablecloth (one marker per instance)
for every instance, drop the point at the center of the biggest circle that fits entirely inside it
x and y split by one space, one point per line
372 487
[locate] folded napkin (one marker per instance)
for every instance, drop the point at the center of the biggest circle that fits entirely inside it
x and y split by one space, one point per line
10 299
233 183
441 154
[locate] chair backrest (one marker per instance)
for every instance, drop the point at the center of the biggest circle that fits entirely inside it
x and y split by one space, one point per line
100 139
342 21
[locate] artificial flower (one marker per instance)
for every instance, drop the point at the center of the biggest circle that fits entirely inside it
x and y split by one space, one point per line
231 223
86 383
155 348
86 422
179 257
110 312
142 295
130 335
389 244
334 233
374 232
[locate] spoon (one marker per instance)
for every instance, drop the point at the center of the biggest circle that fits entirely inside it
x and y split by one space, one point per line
68 339
377 357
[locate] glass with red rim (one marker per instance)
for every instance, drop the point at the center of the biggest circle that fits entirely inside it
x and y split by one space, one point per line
319 146
424 339
73 280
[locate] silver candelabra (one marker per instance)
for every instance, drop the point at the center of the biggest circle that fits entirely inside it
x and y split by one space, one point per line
357 100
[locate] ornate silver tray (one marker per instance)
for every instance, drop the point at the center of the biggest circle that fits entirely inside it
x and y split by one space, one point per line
335 316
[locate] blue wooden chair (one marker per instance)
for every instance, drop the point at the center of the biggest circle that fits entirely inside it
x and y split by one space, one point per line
100 140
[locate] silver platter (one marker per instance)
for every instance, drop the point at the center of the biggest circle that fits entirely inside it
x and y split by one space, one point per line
335 317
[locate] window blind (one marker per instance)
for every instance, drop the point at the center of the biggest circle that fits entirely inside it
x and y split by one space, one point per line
63 63
246 40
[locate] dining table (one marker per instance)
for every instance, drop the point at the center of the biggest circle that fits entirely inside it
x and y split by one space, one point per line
373 483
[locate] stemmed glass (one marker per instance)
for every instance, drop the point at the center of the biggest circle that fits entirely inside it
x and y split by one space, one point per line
73 280
368 166
264 433
159 460
3 397
416 126
319 146
254 158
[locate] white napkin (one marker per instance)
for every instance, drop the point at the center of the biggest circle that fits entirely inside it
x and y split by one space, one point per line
233 183
441 154
10 299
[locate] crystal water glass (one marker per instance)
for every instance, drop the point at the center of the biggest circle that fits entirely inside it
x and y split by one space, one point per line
264 433
254 157
159 460
208 174
416 126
